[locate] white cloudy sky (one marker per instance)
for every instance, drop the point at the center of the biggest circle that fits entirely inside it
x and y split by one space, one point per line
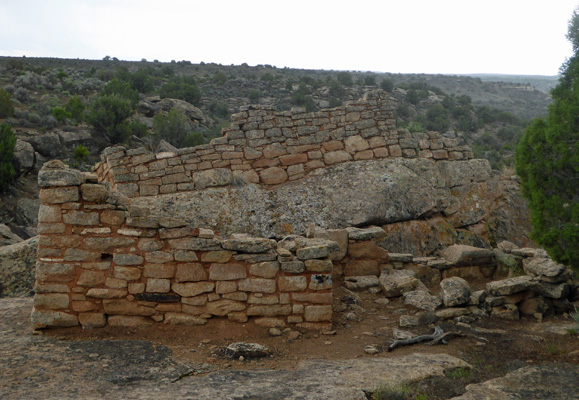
420 36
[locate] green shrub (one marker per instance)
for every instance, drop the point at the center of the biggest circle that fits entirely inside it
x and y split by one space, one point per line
218 108
193 139
345 78
220 78
108 115
183 89
7 144
122 90
173 128
254 96
60 114
76 108
80 153
387 85
335 102
6 107
370 80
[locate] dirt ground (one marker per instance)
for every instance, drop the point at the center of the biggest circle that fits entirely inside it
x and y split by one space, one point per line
492 347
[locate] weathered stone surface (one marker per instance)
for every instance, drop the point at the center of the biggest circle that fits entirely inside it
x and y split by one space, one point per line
222 256
107 244
172 318
227 272
455 291
246 350
129 320
368 249
556 381
310 252
212 177
17 268
292 283
545 269
190 272
268 269
125 307
387 187
462 255
127 259
59 195
394 283
192 289
53 301
510 285
91 320
56 173
365 234
48 318
258 285
361 282
552 291
362 267
269 310
422 299
318 313
293 267
99 293
319 265
223 307
340 236
249 245
89 278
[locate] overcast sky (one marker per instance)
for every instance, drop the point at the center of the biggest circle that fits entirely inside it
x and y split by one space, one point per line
407 36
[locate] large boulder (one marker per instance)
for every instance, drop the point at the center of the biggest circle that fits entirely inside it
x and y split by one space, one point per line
17 268
23 158
546 270
395 283
461 255
360 193
455 291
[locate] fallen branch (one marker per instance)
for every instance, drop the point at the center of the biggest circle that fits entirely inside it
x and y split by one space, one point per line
438 336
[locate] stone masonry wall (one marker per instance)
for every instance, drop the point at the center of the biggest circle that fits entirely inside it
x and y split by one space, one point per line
103 262
269 147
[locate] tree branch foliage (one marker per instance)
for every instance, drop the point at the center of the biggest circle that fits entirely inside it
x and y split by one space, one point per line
547 160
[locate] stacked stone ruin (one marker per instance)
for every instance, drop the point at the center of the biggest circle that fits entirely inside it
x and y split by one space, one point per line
102 260
268 147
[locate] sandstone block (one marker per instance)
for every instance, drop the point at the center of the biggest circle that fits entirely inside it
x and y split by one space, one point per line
84 306
258 298
318 313
394 283
91 320
194 244
185 256
321 282
59 195
80 255
127 273
395 150
192 289
52 301
340 236
336 157
292 283
227 272
191 272
268 269
164 271
223 307
107 244
222 287
462 255
94 192
173 318
273 176
221 256
455 291
368 249
269 310
291 159
258 285
155 285
318 298
159 257
52 174
362 267
293 267
113 217
55 272
89 278
510 285
270 322
311 252
366 233
238 317
356 143
237 296
125 307
49 214
200 300
249 245
99 293
49 228
319 265
422 299
48 318
127 259
129 321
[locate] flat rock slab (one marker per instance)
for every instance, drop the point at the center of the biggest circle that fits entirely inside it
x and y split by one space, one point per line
553 381
42 367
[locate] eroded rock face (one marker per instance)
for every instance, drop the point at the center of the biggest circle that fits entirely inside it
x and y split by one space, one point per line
17 266
359 193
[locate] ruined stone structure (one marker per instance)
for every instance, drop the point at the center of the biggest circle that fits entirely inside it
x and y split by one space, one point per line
269 148
104 258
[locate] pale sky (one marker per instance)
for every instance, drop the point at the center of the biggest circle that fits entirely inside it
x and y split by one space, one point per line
524 37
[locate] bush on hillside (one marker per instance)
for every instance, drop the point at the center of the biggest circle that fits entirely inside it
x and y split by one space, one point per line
7 144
